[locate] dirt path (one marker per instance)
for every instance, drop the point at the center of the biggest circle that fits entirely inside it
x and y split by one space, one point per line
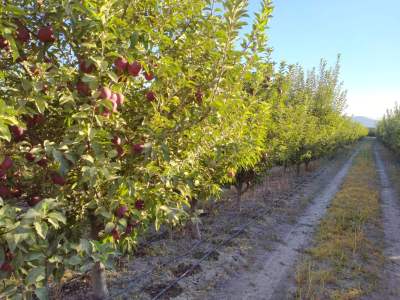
277 265
391 215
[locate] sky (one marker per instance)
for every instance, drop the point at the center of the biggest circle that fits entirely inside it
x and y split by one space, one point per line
366 33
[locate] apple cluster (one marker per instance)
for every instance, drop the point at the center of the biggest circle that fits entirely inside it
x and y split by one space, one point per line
122 212
45 34
6 266
9 170
134 69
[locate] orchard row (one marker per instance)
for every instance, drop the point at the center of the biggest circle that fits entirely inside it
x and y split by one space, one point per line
388 129
117 116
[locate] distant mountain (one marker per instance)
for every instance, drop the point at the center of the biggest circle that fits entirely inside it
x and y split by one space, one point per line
367 122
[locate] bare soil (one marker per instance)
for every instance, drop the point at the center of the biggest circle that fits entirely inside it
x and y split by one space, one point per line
391 219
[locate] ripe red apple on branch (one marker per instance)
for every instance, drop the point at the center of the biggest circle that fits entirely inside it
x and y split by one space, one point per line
116 140
148 75
17 132
7 163
150 96
82 88
33 200
30 157
46 34
6 267
58 179
139 204
121 211
86 66
4 44
121 64
5 192
137 148
23 34
134 68
120 98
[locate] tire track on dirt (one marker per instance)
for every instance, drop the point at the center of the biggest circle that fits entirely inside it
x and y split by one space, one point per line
391 220
280 262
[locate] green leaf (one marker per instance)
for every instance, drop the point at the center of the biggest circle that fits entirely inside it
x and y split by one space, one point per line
35 275
109 227
74 260
8 292
41 293
113 76
40 104
88 158
5 132
57 216
41 229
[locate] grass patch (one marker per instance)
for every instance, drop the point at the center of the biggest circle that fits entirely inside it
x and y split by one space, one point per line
346 257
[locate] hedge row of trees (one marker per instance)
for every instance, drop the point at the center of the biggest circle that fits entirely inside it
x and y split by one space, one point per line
388 129
120 115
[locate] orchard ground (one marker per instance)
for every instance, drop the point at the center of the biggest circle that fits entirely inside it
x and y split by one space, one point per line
284 253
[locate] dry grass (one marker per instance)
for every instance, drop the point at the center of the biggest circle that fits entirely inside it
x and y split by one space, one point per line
346 257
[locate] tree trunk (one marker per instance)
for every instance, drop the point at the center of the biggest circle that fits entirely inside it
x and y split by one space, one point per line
98 272
194 226
239 187
99 284
308 166
298 169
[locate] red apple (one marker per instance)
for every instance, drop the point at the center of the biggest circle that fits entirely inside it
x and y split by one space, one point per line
139 204
21 58
150 96
5 192
6 164
6 267
46 34
199 96
134 68
4 44
57 179
86 66
16 192
106 112
43 162
128 229
34 70
120 99
30 157
116 140
114 103
115 234
45 88
9 255
120 150
131 224
32 121
82 88
23 34
121 64
114 97
121 211
17 132
105 93
137 148
34 200
231 174
148 75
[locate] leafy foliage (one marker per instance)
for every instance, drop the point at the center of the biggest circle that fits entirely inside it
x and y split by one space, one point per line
388 129
118 115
